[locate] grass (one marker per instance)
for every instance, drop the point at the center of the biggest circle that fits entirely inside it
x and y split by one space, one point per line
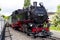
55 28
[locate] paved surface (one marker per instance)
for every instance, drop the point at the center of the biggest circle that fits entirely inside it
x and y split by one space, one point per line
16 35
56 33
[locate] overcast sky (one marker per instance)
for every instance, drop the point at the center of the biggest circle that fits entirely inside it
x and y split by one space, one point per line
8 6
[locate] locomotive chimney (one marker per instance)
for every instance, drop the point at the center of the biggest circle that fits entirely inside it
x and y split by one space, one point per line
35 4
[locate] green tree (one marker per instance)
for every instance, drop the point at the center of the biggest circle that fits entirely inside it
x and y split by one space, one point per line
5 17
56 20
26 3
0 9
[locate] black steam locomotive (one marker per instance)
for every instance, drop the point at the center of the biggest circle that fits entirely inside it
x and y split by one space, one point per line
33 20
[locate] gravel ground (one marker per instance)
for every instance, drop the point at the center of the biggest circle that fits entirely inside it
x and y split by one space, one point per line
16 35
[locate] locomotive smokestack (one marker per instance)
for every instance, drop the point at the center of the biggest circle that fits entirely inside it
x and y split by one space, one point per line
35 4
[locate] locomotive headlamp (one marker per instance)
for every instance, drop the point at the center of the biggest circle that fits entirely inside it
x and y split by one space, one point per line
30 24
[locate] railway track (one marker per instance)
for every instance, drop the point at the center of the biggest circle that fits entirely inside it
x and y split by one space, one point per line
17 35
7 34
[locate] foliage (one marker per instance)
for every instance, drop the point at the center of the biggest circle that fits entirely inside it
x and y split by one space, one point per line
0 9
5 17
26 3
55 28
56 20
